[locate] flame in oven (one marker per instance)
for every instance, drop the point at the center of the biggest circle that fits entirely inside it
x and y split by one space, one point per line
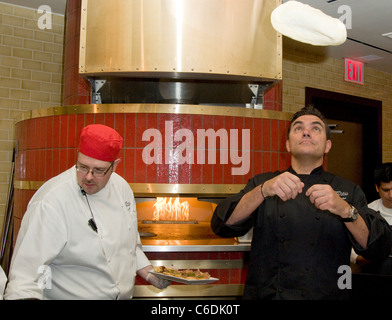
167 209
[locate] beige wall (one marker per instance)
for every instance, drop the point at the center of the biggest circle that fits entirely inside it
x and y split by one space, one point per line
31 77
31 66
304 69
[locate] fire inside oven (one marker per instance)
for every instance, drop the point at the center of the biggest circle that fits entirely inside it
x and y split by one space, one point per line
177 220
170 210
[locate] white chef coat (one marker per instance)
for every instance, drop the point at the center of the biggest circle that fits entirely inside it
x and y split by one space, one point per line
59 256
3 281
385 212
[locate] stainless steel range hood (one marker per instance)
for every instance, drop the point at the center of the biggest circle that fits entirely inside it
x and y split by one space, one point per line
220 52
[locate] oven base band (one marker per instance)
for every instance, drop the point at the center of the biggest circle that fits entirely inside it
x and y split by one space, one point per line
189 291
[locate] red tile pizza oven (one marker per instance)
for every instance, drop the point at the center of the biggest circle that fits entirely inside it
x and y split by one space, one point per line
194 87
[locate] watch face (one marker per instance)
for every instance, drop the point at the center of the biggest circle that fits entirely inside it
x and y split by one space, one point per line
354 214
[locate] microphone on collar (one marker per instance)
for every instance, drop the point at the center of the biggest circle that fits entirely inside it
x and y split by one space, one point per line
93 225
91 222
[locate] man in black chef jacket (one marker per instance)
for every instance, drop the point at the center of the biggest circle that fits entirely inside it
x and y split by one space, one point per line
305 221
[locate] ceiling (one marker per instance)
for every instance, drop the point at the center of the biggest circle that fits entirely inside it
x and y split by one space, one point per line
370 19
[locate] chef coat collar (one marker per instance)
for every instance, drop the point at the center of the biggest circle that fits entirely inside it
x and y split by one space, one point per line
317 170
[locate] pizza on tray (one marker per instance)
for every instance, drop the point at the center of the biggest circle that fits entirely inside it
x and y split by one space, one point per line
187 274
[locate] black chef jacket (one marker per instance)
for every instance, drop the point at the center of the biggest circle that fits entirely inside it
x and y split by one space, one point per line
296 248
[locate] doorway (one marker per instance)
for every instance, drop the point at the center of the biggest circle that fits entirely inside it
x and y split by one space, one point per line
357 150
346 154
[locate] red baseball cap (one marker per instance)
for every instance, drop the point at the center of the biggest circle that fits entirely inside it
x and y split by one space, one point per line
100 142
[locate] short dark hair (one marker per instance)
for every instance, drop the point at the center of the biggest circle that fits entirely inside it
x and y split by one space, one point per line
383 173
311 110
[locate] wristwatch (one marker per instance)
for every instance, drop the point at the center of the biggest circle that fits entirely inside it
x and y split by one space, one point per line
353 215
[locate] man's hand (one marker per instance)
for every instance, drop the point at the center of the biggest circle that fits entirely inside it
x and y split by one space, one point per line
286 186
154 280
325 198
157 282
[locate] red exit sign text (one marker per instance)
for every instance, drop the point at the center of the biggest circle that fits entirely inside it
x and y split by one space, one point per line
353 71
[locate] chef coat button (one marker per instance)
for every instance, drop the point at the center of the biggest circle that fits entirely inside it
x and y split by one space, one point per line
317 217
282 215
307 268
282 240
108 260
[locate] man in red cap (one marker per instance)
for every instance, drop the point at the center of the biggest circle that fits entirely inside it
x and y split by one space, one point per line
79 238
98 148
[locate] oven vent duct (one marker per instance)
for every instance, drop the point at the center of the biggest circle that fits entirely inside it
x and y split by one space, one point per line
179 51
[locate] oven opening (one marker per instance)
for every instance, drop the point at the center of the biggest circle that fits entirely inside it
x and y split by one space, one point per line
177 220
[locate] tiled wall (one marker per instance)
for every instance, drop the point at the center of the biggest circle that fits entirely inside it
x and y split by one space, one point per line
76 89
47 146
31 63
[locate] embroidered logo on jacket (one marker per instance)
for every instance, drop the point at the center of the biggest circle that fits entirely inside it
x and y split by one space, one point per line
342 194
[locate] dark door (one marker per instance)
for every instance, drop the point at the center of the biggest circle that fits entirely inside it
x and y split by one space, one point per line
346 156
358 150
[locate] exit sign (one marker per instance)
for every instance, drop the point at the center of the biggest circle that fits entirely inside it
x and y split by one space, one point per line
353 71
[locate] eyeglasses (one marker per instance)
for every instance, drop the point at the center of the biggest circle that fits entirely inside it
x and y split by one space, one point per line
98 173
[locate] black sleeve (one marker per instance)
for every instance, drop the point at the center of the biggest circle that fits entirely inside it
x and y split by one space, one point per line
226 207
380 237
223 212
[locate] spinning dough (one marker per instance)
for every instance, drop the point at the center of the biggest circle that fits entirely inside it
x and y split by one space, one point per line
306 24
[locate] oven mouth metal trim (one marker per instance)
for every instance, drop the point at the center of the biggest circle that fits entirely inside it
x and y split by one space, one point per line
156 109
201 264
185 190
160 189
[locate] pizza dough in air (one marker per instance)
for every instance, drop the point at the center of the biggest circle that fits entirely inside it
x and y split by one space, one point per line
306 24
